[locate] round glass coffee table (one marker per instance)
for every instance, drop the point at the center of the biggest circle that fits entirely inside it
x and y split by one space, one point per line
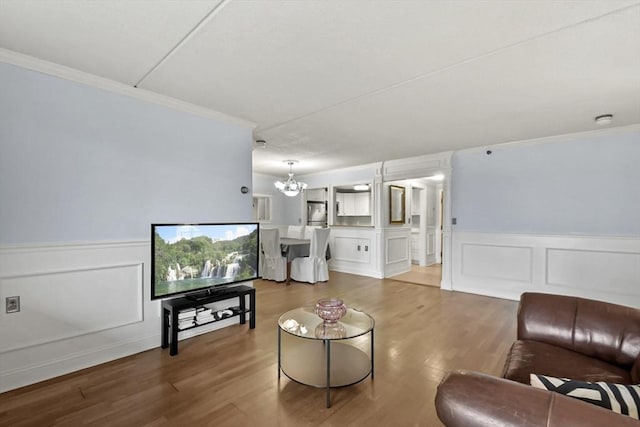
325 355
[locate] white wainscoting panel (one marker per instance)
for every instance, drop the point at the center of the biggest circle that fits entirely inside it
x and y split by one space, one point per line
351 249
62 304
505 265
81 305
431 243
431 256
354 250
592 270
497 262
397 249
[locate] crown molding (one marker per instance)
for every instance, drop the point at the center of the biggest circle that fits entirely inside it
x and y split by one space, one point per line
375 167
417 167
71 74
556 138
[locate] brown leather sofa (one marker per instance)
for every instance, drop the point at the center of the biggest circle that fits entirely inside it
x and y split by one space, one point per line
558 336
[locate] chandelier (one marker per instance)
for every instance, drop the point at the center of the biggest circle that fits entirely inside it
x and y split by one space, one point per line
290 187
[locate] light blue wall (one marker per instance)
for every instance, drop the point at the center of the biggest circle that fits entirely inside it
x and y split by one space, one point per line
82 164
583 185
292 209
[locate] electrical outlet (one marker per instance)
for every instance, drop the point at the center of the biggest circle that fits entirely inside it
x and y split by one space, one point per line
12 304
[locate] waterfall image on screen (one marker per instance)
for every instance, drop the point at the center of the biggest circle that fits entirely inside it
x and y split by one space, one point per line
192 257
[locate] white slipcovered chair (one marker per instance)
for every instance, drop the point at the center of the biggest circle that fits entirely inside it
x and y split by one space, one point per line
313 268
308 231
295 232
273 266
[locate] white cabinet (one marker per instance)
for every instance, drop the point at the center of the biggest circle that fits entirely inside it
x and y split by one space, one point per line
415 201
362 204
349 204
353 204
432 207
416 247
340 204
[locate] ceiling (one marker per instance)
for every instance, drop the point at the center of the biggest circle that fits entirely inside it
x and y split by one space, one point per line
340 83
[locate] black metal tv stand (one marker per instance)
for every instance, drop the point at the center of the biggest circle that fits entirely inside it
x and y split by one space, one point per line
171 308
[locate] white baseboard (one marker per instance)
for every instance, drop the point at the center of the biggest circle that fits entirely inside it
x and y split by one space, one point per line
30 374
368 272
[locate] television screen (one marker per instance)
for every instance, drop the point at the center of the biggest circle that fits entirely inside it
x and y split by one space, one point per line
186 258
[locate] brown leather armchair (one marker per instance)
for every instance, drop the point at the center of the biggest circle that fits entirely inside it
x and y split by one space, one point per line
559 336
576 338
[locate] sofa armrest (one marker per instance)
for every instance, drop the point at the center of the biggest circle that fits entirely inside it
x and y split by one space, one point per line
635 372
472 399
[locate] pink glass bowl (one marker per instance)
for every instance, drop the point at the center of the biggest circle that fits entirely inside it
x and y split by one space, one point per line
330 309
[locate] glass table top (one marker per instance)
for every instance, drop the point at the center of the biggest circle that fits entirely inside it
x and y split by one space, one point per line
303 322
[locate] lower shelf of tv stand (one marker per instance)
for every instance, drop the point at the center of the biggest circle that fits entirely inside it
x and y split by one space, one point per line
171 308
197 325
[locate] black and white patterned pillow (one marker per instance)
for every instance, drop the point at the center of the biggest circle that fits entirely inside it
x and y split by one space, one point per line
620 398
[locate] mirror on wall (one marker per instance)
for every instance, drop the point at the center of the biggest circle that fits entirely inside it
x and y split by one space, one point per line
396 204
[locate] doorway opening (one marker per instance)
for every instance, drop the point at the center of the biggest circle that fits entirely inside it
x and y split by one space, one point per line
425 219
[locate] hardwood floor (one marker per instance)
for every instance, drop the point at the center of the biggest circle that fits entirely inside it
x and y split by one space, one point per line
427 276
229 377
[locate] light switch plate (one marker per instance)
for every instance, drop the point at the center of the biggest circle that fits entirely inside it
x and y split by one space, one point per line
12 304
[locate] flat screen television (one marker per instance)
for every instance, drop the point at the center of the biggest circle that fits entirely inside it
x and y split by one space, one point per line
198 259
